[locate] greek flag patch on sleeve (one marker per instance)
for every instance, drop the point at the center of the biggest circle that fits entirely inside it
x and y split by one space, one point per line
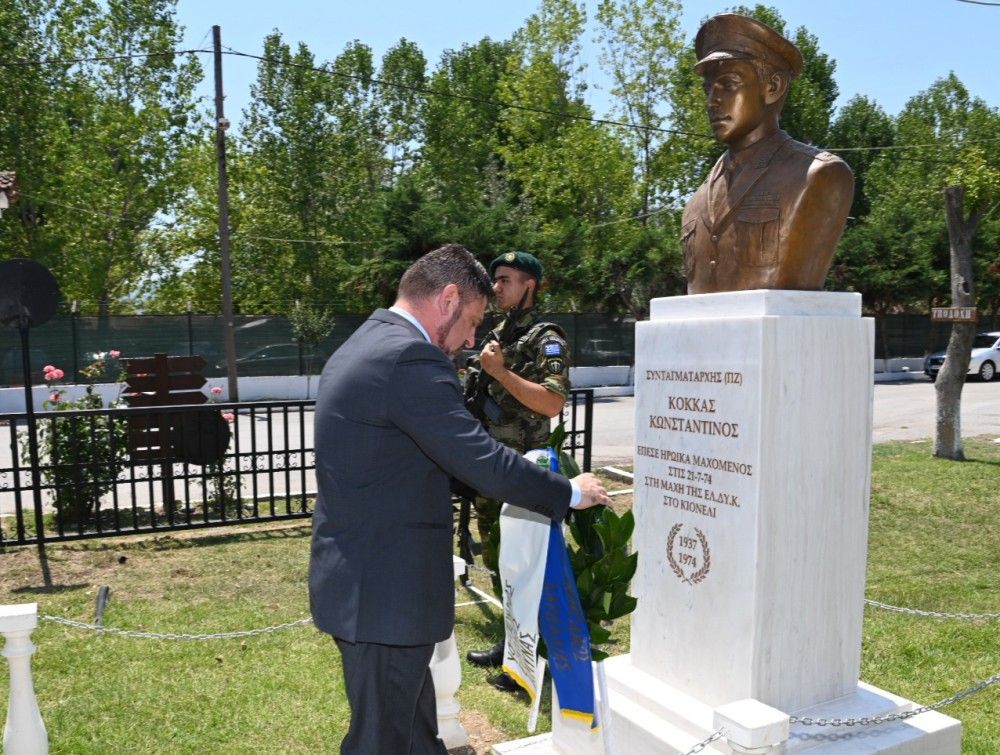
553 349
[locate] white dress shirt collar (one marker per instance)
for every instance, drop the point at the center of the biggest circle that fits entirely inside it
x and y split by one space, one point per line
410 318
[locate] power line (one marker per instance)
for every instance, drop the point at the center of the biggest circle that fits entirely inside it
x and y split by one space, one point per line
465 97
97 59
245 237
980 2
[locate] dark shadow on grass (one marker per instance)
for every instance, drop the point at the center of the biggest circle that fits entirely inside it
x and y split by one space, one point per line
47 590
985 462
191 538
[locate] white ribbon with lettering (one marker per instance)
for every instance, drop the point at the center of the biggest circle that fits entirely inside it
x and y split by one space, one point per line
524 540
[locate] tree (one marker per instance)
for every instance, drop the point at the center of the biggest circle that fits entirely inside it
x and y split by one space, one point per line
130 114
641 39
907 241
634 261
861 131
32 135
404 71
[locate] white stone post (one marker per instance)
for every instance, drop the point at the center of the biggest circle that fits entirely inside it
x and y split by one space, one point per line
24 733
447 674
751 727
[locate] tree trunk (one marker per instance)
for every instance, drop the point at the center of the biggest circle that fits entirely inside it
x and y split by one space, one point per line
951 378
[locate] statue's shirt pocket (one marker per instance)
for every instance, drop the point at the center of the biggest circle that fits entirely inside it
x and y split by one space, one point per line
756 230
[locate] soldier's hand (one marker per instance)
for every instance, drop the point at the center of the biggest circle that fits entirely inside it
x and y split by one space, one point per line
491 359
593 491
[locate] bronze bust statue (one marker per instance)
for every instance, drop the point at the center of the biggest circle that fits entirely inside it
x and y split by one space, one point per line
770 213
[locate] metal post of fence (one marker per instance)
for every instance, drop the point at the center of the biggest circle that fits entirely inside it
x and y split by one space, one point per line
24 733
190 331
73 324
36 482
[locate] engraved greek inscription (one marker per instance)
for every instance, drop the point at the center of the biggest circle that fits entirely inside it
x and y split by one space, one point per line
691 404
698 426
733 378
684 376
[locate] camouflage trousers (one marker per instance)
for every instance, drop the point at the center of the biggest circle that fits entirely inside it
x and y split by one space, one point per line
488 526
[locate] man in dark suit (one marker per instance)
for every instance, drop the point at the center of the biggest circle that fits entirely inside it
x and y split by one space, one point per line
391 427
770 213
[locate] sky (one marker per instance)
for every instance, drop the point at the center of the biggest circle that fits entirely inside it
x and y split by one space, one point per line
887 50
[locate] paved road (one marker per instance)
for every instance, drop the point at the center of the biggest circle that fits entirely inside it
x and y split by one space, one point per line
902 411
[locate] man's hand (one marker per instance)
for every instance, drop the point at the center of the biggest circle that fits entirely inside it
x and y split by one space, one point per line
593 491
491 360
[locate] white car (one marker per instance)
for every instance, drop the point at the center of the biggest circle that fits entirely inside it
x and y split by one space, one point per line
984 362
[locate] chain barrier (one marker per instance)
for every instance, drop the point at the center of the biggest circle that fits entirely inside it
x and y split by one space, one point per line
934 614
480 569
706 742
134 634
875 720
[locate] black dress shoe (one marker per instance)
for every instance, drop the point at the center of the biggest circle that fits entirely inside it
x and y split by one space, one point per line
492 658
505 683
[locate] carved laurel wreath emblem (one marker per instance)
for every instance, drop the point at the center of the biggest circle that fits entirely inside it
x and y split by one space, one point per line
706 556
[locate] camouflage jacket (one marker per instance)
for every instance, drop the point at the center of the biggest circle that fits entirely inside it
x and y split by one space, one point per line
539 353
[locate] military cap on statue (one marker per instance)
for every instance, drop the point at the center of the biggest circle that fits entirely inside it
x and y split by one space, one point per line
733 37
523 261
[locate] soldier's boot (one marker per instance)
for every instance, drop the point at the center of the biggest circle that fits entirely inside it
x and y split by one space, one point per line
489 658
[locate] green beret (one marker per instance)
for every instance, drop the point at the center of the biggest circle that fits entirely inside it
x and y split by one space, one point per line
519 261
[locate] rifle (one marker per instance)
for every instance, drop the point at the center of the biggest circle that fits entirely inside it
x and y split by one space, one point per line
483 407
478 400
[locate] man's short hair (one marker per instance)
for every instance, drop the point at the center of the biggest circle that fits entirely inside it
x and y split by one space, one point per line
451 263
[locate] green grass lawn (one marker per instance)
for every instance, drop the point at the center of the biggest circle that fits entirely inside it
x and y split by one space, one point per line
934 544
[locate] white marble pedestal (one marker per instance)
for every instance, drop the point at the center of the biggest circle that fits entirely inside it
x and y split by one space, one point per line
752 471
446 670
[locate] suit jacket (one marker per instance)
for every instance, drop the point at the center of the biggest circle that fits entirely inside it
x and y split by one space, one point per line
773 224
390 429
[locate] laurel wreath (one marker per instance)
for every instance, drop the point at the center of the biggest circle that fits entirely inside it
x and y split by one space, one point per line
670 552
699 575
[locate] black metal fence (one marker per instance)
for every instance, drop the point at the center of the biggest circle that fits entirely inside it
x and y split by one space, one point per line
95 477
265 345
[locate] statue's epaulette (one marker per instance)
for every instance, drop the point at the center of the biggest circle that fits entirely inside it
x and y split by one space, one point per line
815 152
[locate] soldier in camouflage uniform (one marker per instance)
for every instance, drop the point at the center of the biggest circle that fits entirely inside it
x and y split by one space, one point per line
526 366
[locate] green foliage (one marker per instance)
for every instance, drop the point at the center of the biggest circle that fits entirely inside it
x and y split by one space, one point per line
601 559
310 325
864 129
344 171
897 253
81 455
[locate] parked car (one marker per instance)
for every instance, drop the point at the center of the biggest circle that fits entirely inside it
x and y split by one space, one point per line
276 359
604 351
984 361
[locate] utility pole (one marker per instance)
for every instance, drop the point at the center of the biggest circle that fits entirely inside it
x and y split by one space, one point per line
221 124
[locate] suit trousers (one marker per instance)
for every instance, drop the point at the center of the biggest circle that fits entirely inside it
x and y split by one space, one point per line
391 694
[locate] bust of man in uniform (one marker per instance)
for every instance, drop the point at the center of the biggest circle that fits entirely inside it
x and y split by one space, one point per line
770 213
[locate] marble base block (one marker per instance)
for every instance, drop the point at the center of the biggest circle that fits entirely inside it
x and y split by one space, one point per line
752 474
752 468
